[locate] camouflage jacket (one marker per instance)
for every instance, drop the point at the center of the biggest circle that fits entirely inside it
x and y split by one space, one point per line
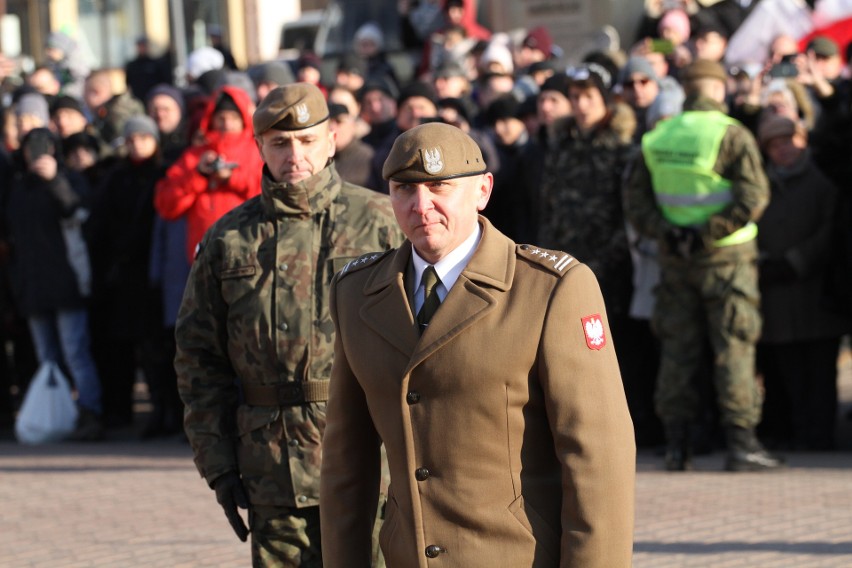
739 162
580 205
255 314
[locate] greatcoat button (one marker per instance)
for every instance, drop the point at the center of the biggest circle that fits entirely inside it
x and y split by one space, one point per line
302 498
283 326
413 397
421 474
433 550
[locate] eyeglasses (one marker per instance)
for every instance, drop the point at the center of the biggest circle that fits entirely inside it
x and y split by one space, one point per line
634 82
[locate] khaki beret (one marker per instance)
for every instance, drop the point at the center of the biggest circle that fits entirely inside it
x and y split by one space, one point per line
704 68
291 107
431 152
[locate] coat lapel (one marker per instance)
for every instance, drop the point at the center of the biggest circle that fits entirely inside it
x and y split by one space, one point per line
488 274
386 309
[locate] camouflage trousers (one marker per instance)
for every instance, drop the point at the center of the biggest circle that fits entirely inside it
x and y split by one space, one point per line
702 303
287 537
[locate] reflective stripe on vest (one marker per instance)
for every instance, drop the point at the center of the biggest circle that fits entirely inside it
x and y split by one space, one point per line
680 154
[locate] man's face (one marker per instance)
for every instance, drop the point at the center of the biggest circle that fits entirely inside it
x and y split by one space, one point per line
711 46
343 127
80 158
551 106
43 81
508 130
26 122
412 110
377 107
227 121
453 87
96 92
166 113
589 106
295 155
829 66
68 121
140 146
784 151
640 90
437 216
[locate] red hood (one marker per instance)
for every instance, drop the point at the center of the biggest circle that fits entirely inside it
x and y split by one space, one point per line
245 106
469 22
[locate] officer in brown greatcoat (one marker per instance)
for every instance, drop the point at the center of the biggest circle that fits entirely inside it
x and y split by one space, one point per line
487 370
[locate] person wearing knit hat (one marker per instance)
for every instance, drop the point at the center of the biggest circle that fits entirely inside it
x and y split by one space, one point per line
142 125
675 27
536 47
458 287
640 86
31 111
416 101
269 75
589 93
699 189
351 72
552 102
68 116
378 109
202 60
267 267
497 58
797 255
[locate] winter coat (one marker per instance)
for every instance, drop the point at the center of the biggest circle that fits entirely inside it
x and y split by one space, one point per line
48 264
185 191
798 226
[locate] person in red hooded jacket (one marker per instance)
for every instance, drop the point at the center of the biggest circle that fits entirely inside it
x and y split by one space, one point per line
211 178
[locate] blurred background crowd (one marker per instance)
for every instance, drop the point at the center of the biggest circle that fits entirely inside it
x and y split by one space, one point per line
111 176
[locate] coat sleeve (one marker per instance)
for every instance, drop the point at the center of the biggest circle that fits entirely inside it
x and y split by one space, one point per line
740 163
351 464
176 193
591 425
640 204
206 379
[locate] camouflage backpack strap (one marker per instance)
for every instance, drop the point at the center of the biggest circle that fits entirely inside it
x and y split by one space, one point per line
553 260
362 262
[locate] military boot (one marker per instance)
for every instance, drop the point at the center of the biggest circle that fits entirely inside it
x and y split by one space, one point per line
678 449
746 453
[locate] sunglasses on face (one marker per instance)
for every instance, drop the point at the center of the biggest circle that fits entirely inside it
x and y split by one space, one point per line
633 83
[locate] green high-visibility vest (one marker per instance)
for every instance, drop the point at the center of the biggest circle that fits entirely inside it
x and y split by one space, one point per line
680 154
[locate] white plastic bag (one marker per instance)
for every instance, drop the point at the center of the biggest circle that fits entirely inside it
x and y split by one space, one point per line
48 413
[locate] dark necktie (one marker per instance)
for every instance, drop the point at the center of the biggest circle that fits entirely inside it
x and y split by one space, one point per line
432 301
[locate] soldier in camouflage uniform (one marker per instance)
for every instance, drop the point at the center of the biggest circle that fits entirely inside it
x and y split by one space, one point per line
254 336
698 188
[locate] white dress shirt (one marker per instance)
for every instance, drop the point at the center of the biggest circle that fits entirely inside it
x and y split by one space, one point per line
448 268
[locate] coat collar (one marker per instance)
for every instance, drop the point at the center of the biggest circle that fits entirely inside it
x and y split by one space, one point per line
302 199
387 309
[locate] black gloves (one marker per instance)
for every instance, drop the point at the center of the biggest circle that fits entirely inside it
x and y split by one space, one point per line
230 494
683 241
776 271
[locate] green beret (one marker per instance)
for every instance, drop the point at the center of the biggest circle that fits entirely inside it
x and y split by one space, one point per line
704 68
431 152
291 107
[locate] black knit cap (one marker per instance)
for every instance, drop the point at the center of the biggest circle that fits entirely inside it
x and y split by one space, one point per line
67 102
418 89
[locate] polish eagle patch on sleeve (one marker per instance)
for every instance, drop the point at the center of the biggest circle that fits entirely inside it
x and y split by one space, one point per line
594 329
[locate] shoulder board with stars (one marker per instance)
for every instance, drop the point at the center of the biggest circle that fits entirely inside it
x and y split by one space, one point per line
361 262
557 261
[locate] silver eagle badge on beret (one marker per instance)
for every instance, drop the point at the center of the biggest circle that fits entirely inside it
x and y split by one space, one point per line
302 114
433 162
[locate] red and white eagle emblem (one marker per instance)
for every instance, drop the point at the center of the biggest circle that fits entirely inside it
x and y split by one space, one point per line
594 329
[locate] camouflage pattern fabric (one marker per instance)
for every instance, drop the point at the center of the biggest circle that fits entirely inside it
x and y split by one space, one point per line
712 295
580 207
716 303
255 312
284 537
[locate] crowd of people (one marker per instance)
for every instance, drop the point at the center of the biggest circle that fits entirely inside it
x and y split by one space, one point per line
110 191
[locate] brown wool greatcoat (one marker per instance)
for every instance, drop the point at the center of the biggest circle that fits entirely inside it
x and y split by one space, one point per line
508 437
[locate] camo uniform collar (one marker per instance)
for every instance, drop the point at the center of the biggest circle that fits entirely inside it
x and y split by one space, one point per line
302 199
